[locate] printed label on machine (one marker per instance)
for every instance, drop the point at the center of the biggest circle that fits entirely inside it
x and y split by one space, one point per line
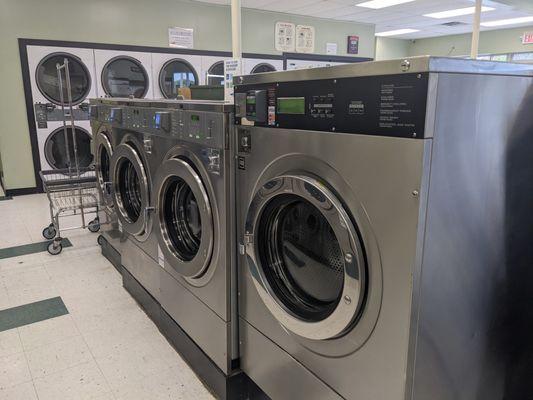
160 257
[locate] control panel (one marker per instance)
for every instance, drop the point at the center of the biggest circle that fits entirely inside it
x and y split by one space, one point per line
45 112
388 105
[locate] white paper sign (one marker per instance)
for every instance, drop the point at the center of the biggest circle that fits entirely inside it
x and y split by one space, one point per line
285 35
305 39
331 48
231 68
181 37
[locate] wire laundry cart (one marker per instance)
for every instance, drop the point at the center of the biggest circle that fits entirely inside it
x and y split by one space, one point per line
71 191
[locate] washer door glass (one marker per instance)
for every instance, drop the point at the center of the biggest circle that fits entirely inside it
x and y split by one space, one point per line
176 74
306 257
185 218
124 77
215 74
48 84
55 148
263 67
103 162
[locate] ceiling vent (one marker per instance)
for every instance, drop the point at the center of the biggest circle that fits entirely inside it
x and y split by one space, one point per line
454 23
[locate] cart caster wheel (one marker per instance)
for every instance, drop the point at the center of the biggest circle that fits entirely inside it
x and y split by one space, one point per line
49 232
54 248
94 226
100 240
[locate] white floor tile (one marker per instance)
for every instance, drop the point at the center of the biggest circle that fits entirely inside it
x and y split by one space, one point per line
82 382
24 391
14 370
10 343
47 332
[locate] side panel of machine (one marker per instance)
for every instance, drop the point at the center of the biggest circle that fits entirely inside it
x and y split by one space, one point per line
469 275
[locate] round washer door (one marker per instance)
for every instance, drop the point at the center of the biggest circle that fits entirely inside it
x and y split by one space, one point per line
104 152
263 67
305 257
185 218
48 83
131 192
56 145
175 74
124 76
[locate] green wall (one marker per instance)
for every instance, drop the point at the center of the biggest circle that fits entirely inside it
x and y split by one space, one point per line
390 48
135 22
490 42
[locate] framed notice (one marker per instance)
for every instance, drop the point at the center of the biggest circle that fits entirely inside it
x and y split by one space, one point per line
181 37
305 39
527 38
353 44
284 36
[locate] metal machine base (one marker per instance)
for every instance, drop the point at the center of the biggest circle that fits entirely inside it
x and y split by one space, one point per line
237 386
109 252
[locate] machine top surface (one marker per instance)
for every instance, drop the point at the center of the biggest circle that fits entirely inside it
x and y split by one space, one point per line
199 105
391 67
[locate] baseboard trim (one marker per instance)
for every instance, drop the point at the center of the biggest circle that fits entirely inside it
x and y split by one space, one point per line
22 191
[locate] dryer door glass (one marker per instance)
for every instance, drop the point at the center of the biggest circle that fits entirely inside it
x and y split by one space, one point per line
305 256
263 67
174 75
55 148
124 77
215 74
48 84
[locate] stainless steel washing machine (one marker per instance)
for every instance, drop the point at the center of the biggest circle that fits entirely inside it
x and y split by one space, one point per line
195 224
373 228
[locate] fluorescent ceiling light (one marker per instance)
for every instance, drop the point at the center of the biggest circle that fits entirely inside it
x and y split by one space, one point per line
457 13
397 32
511 21
376 4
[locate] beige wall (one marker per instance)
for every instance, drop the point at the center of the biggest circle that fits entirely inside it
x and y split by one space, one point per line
390 48
498 41
135 22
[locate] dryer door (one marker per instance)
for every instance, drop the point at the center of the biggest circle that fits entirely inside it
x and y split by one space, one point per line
59 148
103 153
125 76
131 191
185 227
305 257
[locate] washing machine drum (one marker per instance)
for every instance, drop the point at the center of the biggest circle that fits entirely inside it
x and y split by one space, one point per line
56 145
305 256
131 190
48 83
185 218
124 77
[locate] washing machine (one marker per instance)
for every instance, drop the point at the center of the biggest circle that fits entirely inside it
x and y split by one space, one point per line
258 65
133 166
373 228
171 71
54 147
123 74
213 69
195 224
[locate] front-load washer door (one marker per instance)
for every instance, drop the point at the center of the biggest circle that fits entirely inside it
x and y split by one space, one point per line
59 148
305 257
131 192
103 152
185 218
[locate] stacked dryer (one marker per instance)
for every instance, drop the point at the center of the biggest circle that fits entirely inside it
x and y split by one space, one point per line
52 144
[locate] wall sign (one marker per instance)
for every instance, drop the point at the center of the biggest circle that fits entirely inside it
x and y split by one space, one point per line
305 39
527 38
284 36
331 48
353 44
181 37
231 68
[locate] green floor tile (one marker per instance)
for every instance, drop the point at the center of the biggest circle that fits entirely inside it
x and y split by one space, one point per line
29 248
31 313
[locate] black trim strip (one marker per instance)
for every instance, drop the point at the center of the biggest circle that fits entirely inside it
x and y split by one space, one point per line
325 57
3 198
23 191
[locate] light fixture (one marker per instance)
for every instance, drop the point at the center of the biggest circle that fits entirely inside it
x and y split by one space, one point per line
510 21
457 13
397 32
377 4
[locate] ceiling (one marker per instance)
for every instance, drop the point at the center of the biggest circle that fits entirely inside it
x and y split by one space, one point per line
408 15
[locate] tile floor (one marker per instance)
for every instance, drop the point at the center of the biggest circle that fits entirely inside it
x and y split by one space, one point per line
105 348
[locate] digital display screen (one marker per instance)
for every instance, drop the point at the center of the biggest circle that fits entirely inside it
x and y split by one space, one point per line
157 119
250 100
291 105
195 118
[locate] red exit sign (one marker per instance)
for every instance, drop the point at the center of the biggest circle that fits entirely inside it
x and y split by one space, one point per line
527 38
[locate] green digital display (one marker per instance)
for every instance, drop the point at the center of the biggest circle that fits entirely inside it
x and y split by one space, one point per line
291 105
195 117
